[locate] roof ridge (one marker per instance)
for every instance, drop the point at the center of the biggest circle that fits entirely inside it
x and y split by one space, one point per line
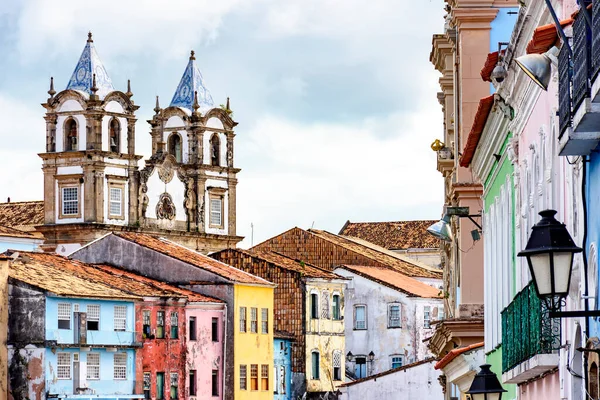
21 202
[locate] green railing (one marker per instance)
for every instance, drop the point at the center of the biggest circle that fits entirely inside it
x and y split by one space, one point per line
526 329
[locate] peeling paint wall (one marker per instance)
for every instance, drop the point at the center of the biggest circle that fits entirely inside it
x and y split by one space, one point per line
383 341
282 371
26 378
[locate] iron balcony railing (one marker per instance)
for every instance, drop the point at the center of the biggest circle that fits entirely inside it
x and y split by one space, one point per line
595 39
582 46
564 90
527 330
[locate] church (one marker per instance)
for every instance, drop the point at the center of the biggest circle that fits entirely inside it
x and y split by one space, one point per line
94 183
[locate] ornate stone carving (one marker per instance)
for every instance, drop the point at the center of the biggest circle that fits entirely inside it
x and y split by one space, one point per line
230 153
166 170
165 209
200 210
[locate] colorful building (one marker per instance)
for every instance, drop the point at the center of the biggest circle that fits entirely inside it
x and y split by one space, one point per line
282 372
309 305
248 356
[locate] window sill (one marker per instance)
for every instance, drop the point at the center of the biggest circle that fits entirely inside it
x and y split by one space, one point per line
360 329
394 327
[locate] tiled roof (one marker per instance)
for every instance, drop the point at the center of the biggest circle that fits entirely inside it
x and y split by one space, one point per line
63 277
128 281
388 372
22 215
490 63
394 235
308 270
452 354
192 82
381 255
485 106
89 64
191 257
395 280
5 231
545 36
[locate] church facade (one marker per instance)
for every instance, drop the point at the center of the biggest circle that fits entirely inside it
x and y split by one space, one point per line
93 183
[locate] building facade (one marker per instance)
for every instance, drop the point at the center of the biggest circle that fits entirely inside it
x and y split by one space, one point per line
282 373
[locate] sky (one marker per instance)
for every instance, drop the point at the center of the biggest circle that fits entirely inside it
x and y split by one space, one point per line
335 99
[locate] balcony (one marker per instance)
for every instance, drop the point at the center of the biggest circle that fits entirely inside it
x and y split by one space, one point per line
578 87
530 339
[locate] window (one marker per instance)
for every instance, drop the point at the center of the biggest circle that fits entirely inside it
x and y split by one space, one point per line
243 378
63 364
242 319
93 317
192 382
215 382
394 316
160 324
147 383
192 328
120 318
335 308
314 305
114 135
325 305
264 377
253 320
215 150
174 386
115 208
175 146
315 364
64 316
215 329
216 211
93 366
264 320
440 313
174 325
360 367
70 200
397 361
160 385
337 365
426 317
146 328
360 317
71 135
120 365
254 377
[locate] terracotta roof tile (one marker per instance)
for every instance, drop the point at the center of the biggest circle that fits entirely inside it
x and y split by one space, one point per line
485 106
308 270
490 63
395 280
62 276
191 257
382 255
22 215
394 235
12 232
544 37
452 354
388 372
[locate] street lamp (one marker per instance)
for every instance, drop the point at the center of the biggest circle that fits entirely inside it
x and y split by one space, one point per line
549 254
349 356
371 356
441 229
485 385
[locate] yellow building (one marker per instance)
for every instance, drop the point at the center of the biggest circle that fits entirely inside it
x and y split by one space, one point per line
253 342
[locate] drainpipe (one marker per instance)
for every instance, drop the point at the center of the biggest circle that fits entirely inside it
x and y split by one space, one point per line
586 301
225 354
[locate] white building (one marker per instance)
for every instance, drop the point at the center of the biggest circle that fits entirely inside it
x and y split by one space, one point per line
387 316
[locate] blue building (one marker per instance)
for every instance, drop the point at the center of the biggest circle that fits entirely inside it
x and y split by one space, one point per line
282 367
64 317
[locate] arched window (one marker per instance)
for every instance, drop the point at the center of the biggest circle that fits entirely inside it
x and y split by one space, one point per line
337 365
325 304
316 360
215 150
335 307
71 135
114 135
175 146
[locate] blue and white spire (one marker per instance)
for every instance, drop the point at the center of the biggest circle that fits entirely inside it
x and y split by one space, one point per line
192 82
89 64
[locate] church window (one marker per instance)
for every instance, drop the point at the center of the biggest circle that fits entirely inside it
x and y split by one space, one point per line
216 211
70 200
71 135
175 146
115 201
116 198
215 150
114 135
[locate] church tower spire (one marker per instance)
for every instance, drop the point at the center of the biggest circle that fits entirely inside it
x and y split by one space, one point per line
192 82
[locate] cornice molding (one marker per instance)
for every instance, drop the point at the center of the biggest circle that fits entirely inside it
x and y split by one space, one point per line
473 18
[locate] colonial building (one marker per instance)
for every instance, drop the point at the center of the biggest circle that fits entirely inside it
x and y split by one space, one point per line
248 357
409 238
310 305
92 184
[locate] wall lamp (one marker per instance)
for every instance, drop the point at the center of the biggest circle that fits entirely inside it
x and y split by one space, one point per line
441 229
549 254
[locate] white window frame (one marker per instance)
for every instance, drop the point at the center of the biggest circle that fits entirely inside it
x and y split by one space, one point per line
64 202
120 318
115 199
427 317
93 366
395 356
120 366
216 210
64 313
253 320
264 320
337 363
63 365
356 321
394 322
92 315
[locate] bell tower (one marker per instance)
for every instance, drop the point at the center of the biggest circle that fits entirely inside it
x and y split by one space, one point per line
191 172
90 167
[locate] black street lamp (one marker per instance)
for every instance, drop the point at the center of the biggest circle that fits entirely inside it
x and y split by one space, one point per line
486 385
549 254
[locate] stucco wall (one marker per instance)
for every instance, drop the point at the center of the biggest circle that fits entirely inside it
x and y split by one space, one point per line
547 388
282 383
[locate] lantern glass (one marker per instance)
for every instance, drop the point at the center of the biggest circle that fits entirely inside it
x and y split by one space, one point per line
540 271
544 265
486 396
562 272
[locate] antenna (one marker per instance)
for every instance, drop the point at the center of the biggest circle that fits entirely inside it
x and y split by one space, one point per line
313 225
